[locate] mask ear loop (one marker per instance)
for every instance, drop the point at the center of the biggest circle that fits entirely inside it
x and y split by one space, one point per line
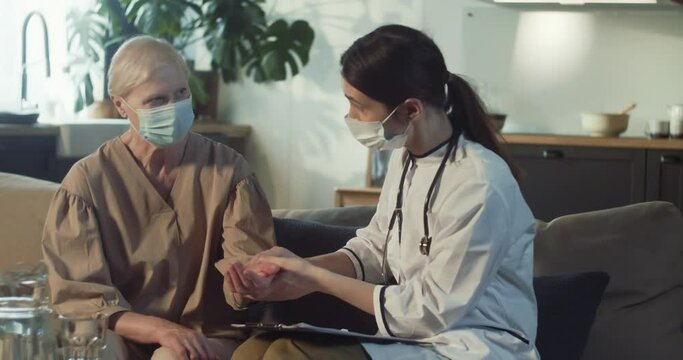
128 117
390 114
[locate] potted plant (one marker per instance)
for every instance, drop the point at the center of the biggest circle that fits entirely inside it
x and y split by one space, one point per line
238 34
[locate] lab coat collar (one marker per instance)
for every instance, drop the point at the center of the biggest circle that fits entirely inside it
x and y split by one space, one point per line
435 156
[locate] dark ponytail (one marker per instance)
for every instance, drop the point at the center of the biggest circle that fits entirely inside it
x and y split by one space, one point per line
395 62
467 112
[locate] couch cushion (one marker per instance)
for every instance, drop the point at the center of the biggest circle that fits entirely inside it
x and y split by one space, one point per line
23 205
640 247
566 309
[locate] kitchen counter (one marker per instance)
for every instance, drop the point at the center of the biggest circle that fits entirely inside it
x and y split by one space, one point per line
587 141
28 130
53 129
47 151
81 137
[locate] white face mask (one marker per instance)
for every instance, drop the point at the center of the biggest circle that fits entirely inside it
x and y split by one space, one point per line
371 133
165 125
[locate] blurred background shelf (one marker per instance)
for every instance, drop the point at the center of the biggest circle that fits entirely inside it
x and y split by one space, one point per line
48 151
571 174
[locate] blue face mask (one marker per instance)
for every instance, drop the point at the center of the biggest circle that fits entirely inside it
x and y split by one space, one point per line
165 125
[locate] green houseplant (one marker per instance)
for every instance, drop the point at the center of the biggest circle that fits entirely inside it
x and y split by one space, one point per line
238 34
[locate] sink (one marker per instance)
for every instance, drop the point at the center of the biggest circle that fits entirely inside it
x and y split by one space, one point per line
18 118
79 138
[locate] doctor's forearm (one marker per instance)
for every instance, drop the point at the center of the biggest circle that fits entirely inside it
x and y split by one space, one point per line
335 262
355 292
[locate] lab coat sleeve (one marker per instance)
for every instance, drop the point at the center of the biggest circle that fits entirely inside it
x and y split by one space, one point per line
365 250
465 254
78 271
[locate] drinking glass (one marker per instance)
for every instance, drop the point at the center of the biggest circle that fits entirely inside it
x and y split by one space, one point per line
82 336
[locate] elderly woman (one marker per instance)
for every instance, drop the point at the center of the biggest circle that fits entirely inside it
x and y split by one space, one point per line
136 228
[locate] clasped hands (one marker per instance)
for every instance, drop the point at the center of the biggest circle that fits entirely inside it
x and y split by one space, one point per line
276 274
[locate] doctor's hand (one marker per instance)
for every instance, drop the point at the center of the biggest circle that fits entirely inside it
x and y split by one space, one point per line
294 279
253 288
266 269
264 280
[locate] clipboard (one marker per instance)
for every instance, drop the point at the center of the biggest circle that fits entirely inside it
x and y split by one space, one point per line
308 328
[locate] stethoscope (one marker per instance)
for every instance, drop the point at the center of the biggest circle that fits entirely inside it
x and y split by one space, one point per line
397 215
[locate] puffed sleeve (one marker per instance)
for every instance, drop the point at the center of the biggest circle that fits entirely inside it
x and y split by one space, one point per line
366 249
247 229
78 272
465 255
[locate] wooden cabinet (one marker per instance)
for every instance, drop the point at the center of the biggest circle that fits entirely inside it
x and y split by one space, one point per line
32 155
562 180
353 197
665 176
570 174
235 136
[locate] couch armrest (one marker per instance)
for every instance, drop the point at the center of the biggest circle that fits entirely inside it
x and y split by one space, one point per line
23 206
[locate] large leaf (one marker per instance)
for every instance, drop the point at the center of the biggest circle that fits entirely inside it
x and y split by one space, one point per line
85 34
84 95
114 11
282 45
162 18
197 89
85 38
233 31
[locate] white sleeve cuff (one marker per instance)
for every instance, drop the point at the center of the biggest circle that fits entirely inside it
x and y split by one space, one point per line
380 311
355 260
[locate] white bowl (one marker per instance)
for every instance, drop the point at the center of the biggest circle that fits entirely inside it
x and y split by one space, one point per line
604 124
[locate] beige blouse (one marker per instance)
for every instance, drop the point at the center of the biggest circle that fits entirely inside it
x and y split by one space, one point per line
112 243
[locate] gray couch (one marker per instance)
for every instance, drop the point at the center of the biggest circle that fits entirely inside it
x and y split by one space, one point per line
639 246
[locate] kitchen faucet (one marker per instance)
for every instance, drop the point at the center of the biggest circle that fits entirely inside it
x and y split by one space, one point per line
24 73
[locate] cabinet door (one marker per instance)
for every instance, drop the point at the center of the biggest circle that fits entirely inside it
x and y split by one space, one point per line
567 180
665 176
236 143
33 156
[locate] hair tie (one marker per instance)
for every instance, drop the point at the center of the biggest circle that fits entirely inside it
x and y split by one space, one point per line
452 77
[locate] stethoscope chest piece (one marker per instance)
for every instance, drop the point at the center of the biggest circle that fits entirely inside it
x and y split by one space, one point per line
425 244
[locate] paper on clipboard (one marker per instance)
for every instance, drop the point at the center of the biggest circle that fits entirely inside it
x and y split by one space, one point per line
307 328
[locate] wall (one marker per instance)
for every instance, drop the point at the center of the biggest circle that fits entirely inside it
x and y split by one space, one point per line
300 147
545 67
542 66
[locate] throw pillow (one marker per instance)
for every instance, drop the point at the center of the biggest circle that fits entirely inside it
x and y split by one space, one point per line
566 309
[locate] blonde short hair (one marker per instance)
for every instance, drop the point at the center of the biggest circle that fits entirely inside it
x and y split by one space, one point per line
138 58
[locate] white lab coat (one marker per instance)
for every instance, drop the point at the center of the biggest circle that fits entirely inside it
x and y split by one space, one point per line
478 274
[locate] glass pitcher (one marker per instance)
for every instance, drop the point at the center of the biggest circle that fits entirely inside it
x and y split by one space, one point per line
26 330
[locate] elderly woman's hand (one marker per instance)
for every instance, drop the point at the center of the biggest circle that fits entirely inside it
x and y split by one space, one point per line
186 343
264 280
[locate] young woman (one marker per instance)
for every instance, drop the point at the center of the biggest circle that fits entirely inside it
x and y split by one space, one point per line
448 255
